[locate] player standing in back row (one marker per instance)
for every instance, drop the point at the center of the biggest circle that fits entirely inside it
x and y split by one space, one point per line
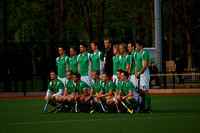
96 58
84 64
142 73
62 63
73 62
125 60
133 54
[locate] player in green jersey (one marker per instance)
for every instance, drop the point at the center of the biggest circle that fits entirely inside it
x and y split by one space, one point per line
84 64
142 73
62 63
81 90
96 89
69 93
128 92
96 58
116 62
118 87
108 88
56 86
125 60
133 54
73 62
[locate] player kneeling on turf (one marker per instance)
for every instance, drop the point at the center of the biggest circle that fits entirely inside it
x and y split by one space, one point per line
56 86
96 89
128 92
69 93
108 87
81 89
118 89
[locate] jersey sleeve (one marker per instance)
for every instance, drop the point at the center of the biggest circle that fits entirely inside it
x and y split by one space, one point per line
128 60
101 56
130 86
145 56
112 86
61 85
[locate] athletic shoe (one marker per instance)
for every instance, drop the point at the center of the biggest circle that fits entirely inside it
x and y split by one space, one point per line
148 111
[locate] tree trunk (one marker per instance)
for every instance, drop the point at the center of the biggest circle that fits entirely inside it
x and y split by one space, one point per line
62 34
189 50
100 22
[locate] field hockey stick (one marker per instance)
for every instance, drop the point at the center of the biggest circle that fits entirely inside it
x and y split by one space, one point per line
138 88
130 111
116 104
55 108
102 105
76 103
45 107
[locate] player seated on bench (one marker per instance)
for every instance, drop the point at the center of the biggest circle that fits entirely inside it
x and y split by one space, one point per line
96 89
56 87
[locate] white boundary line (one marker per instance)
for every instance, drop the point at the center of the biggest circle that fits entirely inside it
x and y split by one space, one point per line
69 121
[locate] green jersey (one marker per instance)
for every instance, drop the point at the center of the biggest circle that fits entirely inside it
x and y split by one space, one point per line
56 87
62 65
119 85
133 61
108 87
116 63
70 86
124 61
97 87
73 63
129 86
141 57
85 64
97 59
81 87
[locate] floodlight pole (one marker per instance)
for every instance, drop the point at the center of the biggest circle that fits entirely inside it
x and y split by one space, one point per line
158 34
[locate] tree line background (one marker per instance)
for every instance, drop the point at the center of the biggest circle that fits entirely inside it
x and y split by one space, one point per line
31 30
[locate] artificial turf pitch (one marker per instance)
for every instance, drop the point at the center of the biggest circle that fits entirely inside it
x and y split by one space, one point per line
171 113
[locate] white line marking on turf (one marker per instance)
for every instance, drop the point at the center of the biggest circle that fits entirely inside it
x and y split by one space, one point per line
68 121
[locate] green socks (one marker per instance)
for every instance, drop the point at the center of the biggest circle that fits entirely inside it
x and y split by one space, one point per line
148 101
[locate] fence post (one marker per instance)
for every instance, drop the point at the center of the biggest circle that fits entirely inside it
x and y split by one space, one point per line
173 80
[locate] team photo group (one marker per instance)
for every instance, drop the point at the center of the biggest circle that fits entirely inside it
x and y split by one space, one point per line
115 80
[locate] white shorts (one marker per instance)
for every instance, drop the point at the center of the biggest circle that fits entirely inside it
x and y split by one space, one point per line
63 80
87 80
134 80
144 81
115 79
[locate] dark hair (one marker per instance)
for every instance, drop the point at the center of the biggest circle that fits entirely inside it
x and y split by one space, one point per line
125 74
110 41
54 71
140 43
95 43
74 48
71 72
83 44
77 75
61 46
132 44
120 70
97 72
106 74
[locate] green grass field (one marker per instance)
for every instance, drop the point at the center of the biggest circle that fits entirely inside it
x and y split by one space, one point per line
175 113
